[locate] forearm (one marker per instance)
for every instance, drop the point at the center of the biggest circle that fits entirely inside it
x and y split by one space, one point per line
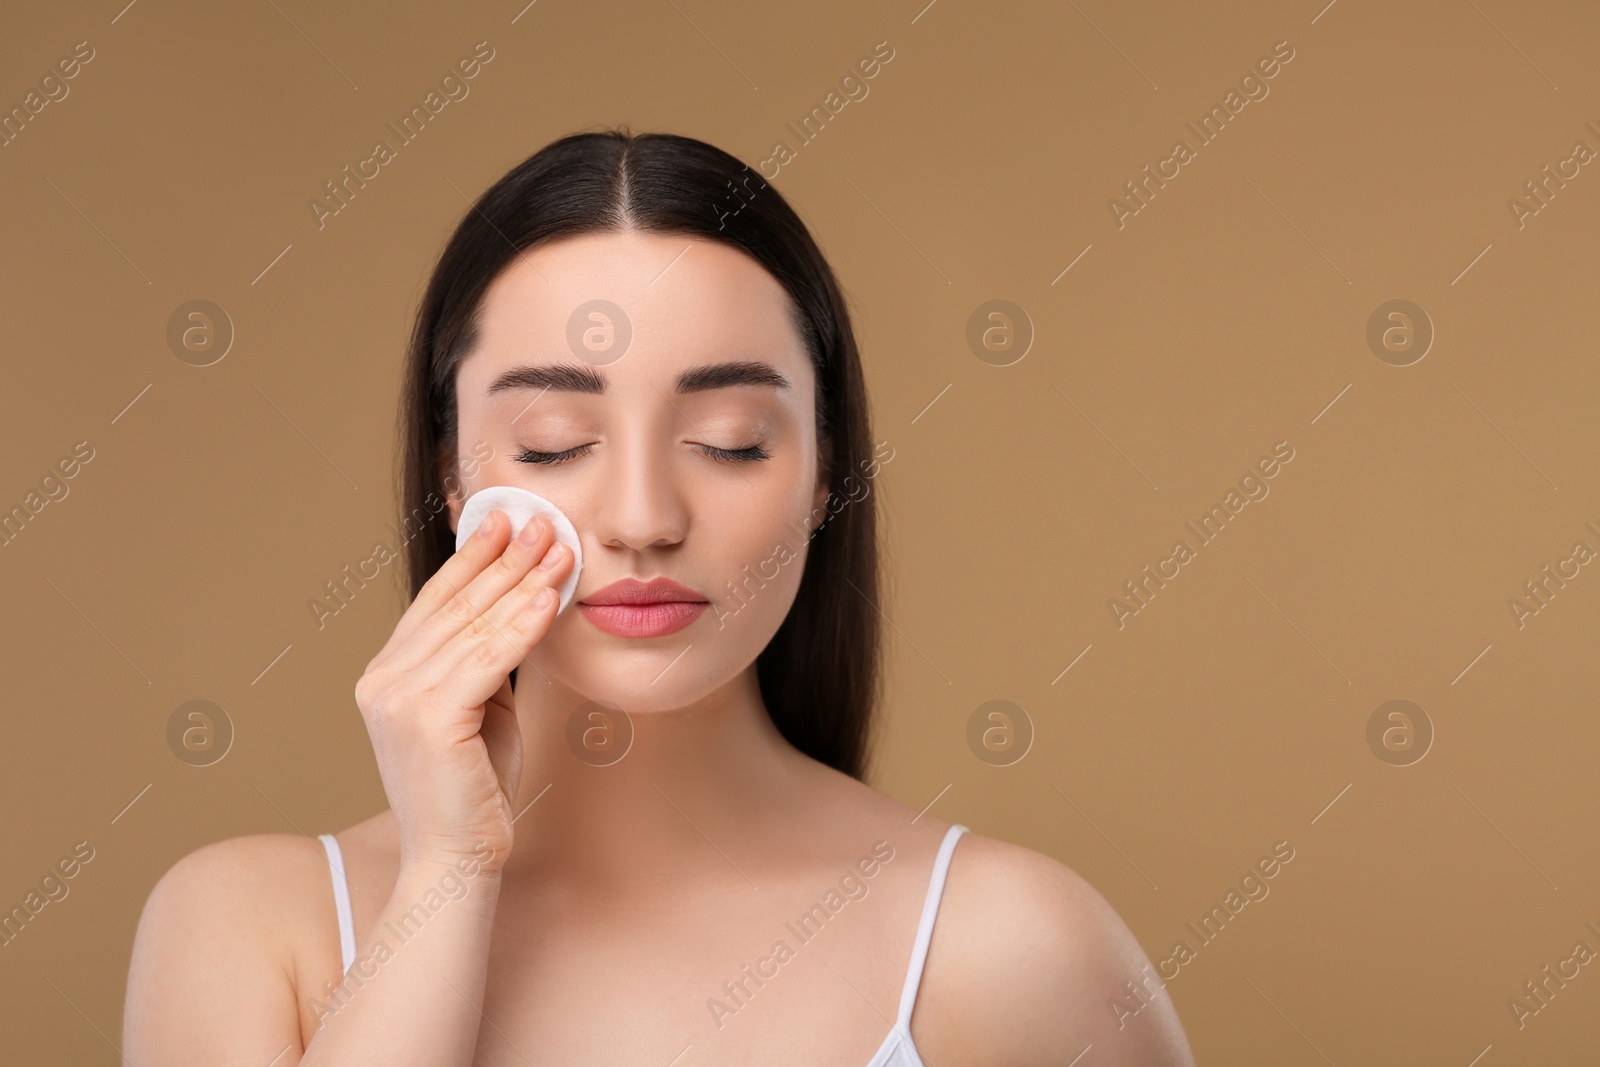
410 996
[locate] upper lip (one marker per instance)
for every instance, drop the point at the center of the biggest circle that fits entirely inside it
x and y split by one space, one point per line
632 591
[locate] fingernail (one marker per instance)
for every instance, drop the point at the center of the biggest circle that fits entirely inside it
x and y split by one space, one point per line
551 558
531 530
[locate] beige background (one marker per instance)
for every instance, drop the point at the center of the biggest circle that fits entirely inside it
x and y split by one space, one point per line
1228 315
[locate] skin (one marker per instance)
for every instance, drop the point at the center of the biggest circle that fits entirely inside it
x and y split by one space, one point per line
598 925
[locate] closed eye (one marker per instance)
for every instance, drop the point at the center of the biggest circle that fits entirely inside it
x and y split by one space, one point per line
528 455
736 455
726 455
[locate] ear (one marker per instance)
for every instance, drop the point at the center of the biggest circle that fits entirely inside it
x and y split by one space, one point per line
455 492
819 496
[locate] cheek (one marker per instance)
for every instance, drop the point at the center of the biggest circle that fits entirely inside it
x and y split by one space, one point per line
752 554
775 556
752 521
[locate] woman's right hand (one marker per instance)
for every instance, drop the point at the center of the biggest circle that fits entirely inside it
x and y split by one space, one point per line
437 698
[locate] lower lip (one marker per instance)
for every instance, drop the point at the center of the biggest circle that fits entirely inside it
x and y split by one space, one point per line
643 620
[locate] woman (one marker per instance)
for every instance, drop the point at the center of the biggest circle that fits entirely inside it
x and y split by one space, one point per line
653 846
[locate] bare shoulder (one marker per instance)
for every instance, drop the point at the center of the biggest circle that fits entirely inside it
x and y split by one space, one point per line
1027 963
246 888
216 931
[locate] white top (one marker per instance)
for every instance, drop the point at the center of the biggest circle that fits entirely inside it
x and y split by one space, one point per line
898 1048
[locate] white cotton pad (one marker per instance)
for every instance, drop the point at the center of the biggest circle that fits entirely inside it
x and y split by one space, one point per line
520 505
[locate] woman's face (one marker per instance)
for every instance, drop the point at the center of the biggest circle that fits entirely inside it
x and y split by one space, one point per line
663 384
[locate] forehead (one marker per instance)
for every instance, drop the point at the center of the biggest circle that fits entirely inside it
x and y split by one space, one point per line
687 301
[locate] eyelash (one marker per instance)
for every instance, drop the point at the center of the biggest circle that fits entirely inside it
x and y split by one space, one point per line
726 455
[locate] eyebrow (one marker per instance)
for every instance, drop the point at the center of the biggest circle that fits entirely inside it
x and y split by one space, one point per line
582 378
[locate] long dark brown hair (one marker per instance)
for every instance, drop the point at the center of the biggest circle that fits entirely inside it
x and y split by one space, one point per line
819 675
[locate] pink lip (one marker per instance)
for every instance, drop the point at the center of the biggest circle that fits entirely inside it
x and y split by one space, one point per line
631 608
643 620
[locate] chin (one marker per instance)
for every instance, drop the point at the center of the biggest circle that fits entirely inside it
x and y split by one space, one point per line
643 680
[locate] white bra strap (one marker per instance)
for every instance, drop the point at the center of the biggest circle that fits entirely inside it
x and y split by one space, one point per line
930 908
341 898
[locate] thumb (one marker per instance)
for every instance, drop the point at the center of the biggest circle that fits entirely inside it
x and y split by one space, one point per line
502 737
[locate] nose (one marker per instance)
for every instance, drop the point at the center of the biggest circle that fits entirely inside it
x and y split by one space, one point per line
639 503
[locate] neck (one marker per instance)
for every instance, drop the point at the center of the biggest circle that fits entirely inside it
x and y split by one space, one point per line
600 811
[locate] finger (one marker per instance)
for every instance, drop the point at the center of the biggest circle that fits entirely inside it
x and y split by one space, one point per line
508 619
487 542
499 592
503 740
473 664
481 591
